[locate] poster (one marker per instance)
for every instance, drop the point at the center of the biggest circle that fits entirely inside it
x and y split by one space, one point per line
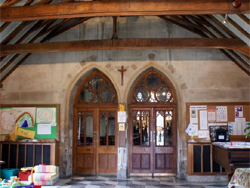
203 134
43 129
121 126
122 116
194 113
203 119
192 129
46 115
240 125
24 117
221 113
211 118
238 111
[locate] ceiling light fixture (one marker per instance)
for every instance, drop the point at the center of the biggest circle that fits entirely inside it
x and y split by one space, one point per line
236 3
224 21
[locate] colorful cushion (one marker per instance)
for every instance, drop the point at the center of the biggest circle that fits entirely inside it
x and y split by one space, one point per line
46 168
53 182
44 176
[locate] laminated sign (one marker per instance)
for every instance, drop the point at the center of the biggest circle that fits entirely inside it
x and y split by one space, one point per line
25 133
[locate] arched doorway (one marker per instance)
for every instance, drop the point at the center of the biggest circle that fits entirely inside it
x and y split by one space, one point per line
95 126
152 125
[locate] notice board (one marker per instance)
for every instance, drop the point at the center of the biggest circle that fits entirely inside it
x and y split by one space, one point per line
203 115
42 120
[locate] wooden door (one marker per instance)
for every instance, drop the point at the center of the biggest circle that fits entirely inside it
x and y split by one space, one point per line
107 144
95 141
84 148
152 140
164 153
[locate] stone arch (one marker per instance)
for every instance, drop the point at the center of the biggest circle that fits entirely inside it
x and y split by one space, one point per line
176 82
66 99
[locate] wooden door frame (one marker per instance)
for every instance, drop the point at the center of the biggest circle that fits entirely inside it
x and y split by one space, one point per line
95 109
151 107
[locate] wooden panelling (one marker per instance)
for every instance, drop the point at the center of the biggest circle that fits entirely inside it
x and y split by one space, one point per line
103 161
136 161
145 161
89 161
112 161
200 160
159 161
21 154
80 158
169 161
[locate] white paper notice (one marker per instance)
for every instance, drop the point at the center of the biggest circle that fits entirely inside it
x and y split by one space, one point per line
122 116
203 119
240 125
221 113
43 129
203 134
194 113
211 116
192 129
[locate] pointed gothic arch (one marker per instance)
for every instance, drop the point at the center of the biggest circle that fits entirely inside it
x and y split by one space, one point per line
152 126
152 87
95 138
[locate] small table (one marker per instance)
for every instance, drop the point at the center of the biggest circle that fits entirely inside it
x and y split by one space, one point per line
241 177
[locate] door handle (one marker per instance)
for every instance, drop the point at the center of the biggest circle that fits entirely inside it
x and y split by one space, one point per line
152 136
94 136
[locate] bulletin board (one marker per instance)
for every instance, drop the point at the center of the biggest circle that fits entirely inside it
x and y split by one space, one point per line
202 115
42 120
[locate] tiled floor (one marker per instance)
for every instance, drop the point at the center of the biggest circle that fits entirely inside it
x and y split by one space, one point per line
133 182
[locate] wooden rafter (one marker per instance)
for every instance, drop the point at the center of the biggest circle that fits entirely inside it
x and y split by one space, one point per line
90 45
187 27
16 31
220 25
202 21
57 30
16 56
3 27
9 3
120 8
44 31
236 25
246 19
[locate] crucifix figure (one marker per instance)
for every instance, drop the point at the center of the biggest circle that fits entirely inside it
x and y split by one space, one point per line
122 70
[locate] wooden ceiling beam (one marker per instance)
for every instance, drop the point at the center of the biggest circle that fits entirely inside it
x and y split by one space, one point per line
121 8
161 43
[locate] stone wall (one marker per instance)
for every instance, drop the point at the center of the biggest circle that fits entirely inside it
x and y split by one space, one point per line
198 75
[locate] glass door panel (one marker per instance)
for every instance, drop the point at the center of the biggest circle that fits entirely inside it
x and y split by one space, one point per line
111 128
107 128
85 128
103 140
141 128
164 135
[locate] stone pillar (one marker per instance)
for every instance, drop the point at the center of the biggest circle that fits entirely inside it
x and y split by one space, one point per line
122 162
